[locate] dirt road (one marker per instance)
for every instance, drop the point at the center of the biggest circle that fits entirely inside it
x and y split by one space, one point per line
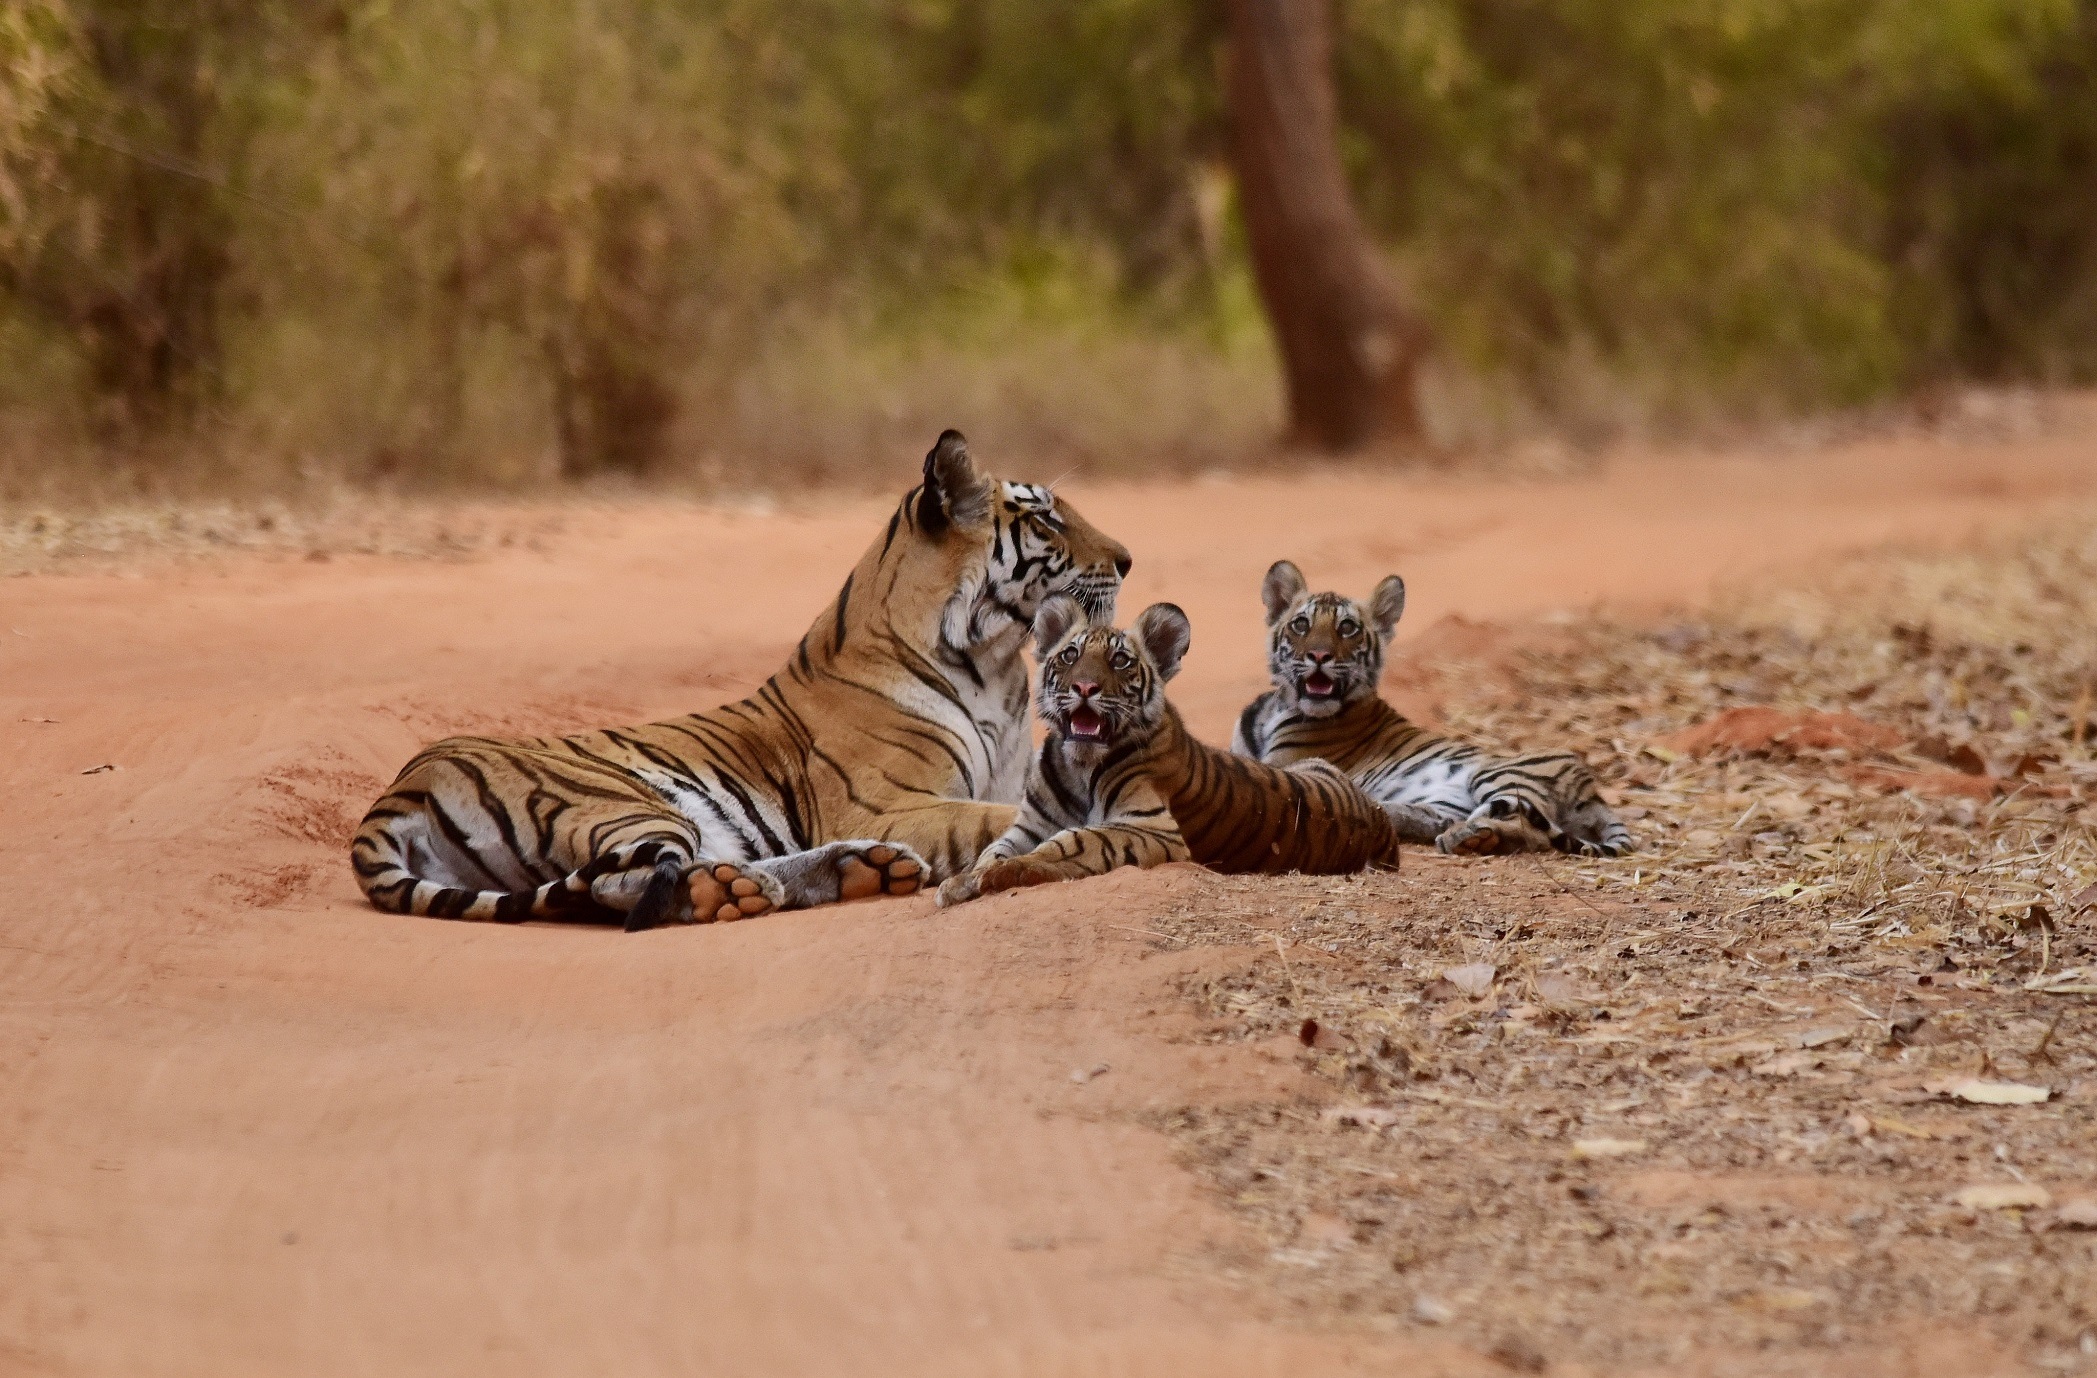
250 1126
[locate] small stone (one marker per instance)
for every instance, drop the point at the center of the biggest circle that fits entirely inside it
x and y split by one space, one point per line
2004 1196
1608 1148
2077 1213
1428 1311
1517 1352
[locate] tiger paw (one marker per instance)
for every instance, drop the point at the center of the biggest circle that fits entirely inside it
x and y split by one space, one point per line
1472 838
879 868
1017 873
723 892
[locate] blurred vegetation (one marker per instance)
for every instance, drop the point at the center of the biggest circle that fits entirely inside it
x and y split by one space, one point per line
760 240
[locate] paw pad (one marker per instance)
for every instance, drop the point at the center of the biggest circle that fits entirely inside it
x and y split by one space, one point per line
879 870
722 893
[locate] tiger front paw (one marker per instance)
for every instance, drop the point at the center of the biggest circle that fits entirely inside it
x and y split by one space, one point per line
1502 835
959 890
723 892
879 868
1011 873
1472 838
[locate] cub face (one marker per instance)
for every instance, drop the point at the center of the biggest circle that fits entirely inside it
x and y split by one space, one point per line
1101 686
1325 651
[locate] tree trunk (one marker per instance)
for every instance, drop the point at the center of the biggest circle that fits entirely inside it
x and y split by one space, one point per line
1350 346
152 283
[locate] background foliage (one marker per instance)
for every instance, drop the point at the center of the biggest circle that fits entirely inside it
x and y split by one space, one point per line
492 240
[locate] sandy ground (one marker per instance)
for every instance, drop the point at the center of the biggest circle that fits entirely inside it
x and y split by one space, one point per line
250 1126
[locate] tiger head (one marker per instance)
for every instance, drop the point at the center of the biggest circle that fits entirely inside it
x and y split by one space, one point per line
1101 686
1009 546
1325 651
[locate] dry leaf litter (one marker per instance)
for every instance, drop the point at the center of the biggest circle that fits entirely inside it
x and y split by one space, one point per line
1815 1065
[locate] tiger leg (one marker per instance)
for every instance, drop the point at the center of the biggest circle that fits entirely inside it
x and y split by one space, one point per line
1499 826
947 836
643 859
1548 801
1596 831
836 871
1009 873
654 870
1422 824
1071 854
1590 826
479 829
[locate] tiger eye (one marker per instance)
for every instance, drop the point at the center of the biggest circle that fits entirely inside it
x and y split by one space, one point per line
1070 654
1350 628
1300 626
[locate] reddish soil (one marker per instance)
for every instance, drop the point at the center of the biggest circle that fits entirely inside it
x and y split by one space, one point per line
1766 729
252 1126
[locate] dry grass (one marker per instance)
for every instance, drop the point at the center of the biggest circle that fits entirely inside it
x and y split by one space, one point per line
832 408
1697 1113
58 536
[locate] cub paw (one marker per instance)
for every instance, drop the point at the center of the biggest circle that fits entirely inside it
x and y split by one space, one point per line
1472 839
723 892
1009 873
1017 873
879 868
959 890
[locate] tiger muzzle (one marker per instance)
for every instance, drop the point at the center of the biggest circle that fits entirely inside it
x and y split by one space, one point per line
1319 682
1083 721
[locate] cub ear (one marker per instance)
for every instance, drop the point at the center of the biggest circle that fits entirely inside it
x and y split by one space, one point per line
1282 587
1059 615
1387 604
955 492
1164 633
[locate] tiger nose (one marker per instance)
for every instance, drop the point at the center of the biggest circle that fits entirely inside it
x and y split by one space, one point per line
1085 689
1123 564
1320 657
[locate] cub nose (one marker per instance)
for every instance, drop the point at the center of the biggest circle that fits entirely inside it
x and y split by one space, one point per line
1320 657
1085 689
1123 564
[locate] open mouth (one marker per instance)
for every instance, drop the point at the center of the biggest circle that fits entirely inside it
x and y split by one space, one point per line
1086 723
1318 684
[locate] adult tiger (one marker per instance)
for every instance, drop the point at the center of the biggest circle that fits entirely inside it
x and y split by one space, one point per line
893 744
1325 654
1119 781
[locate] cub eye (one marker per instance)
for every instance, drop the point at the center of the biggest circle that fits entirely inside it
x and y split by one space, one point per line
1069 655
1350 628
1121 660
1300 626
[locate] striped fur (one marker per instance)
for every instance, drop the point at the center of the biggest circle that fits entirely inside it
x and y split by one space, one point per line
1325 654
1118 781
889 750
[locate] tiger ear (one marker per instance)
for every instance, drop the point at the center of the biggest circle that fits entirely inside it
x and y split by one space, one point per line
1164 633
1058 615
1387 604
1281 588
955 492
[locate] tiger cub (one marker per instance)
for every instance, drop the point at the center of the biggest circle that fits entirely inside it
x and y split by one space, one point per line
1119 781
1326 654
